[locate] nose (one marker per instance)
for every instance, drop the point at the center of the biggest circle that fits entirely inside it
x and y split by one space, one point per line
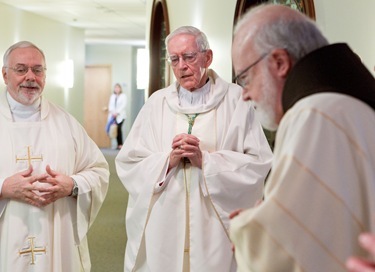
181 63
30 74
246 94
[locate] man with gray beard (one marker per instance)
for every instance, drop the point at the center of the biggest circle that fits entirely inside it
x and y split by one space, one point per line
320 194
53 178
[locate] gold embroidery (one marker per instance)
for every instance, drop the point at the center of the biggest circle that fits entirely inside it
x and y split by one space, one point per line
29 158
32 249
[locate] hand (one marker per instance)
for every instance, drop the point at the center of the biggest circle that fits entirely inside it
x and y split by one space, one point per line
186 145
22 187
237 212
233 215
357 264
60 186
176 154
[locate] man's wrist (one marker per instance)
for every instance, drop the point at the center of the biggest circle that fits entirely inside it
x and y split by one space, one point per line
74 192
1 185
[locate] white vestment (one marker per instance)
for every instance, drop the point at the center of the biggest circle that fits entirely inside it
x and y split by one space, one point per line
236 159
52 238
320 194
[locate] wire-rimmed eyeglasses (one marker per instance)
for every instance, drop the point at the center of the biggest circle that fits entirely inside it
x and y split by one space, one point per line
240 79
21 69
188 57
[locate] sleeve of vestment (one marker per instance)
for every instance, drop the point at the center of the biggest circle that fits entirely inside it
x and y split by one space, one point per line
140 165
315 202
92 176
233 176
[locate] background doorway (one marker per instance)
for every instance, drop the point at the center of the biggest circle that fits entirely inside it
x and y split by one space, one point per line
98 88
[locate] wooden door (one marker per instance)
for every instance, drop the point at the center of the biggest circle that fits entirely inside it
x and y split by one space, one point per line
98 88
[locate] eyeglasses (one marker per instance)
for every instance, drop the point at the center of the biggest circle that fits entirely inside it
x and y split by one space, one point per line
22 69
240 79
189 58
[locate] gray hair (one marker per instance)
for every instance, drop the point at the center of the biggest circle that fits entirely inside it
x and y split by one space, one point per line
21 44
200 37
298 36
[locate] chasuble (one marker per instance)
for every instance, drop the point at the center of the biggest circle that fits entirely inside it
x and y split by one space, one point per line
320 194
186 211
50 238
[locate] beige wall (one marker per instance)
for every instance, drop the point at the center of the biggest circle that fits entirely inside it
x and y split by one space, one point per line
117 55
352 22
59 43
347 21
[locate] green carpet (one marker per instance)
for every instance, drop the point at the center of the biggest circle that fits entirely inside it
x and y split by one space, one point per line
107 236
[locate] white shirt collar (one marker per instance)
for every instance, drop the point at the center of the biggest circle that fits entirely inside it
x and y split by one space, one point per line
197 97
24 113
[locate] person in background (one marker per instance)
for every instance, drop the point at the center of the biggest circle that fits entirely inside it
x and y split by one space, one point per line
53 178
361 264
321 98
117 111
194 153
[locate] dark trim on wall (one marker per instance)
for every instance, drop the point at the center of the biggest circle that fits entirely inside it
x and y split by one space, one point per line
159 70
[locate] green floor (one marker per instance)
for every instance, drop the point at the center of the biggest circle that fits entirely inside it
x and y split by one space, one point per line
107 237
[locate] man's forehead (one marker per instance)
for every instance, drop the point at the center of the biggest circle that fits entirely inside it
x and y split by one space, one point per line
242 42
182 42
239 42
26 54
21 51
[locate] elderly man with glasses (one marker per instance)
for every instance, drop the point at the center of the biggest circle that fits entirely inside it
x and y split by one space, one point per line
321 99
194 154
53 178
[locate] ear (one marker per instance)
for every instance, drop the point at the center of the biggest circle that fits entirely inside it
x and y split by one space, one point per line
209 58
5 76
281 62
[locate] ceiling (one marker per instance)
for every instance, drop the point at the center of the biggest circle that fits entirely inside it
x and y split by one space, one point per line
104 21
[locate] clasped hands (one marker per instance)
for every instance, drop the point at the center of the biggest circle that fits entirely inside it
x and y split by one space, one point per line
185 146
37 190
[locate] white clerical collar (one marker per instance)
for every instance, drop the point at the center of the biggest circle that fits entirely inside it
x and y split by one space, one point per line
197 97
24 113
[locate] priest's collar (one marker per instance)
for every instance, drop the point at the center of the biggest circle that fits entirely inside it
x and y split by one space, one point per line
22 112
197 97
333 68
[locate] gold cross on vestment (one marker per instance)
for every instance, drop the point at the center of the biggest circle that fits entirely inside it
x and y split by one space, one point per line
29 158
32 250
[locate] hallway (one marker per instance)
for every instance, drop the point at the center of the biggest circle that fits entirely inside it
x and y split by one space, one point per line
107 237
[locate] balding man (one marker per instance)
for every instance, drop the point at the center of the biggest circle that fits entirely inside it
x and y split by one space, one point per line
320 194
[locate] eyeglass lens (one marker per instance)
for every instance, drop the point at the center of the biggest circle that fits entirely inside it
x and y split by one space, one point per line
21 70
187 57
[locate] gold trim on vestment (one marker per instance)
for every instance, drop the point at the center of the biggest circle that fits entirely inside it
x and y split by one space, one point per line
32 249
